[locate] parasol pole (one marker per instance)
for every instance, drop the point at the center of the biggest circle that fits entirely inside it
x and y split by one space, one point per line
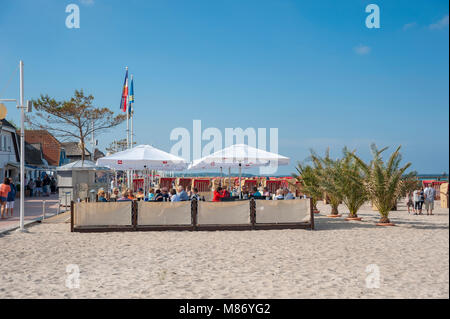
229 180
240 176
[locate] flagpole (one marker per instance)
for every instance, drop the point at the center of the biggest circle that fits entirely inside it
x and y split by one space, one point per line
128 131
130 105
131 115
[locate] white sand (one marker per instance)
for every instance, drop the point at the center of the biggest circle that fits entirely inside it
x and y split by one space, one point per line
330 262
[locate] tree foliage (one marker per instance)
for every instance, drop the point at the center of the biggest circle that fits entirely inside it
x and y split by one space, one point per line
75 118
383 181
348 180
118 146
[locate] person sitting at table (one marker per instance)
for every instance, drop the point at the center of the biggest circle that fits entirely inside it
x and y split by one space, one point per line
287 194
151 194
101 196
279 195
130 194
115 194
174 197
165 194
140 195
195 194
266 192
182 194
124 197
189 191
225 193
158 196
217 195
256 193
245 192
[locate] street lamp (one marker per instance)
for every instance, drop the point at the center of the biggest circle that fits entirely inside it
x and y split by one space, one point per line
22 107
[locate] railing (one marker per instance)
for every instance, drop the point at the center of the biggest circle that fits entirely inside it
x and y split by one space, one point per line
236 215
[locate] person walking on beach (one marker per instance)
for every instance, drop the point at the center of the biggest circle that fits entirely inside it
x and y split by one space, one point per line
409 202
11 198
417 204
429 193
4 190
421 199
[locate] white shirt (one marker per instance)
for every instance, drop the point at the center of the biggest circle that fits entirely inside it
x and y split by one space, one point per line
289 196
416 196
429 193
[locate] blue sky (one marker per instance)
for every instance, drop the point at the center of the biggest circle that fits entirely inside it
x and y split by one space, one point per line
310 68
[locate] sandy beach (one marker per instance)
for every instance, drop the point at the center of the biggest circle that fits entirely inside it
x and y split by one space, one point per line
330 262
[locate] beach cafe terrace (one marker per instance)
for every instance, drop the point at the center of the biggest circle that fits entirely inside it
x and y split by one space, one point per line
252 214
236 214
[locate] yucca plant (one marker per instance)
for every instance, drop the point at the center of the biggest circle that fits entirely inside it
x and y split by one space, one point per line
307 177
348 180
383 181
326 170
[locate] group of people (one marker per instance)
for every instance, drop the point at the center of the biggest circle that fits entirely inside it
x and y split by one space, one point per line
254 192
7 197
157 195
179 194
42 187
420 197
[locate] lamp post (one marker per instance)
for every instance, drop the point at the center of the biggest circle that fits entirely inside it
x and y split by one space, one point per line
21 106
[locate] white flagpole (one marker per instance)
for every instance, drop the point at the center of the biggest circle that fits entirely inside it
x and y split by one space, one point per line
130 105
131 118
128 132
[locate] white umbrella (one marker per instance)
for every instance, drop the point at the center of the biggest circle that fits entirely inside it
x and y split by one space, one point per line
143 157
81 165
239 155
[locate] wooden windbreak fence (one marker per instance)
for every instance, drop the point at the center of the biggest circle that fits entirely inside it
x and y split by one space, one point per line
192 216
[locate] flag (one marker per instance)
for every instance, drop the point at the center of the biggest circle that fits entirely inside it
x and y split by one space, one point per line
123 101
131 97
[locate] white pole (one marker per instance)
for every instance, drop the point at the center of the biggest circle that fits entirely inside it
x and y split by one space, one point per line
230 189
240 187
22 150
93 142
131 119
43 209
128 136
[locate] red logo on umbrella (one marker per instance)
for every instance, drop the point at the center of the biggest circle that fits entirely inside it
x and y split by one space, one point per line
164 162
119 162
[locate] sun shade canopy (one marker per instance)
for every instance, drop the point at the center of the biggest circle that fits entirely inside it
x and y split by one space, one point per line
143 157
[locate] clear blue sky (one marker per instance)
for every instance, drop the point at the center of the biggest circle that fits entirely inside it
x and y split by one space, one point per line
310 68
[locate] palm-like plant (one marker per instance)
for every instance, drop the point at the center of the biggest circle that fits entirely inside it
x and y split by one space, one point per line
348 180
383 181
307 177
326 170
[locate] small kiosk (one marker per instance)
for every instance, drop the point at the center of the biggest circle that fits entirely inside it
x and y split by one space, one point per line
77 179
